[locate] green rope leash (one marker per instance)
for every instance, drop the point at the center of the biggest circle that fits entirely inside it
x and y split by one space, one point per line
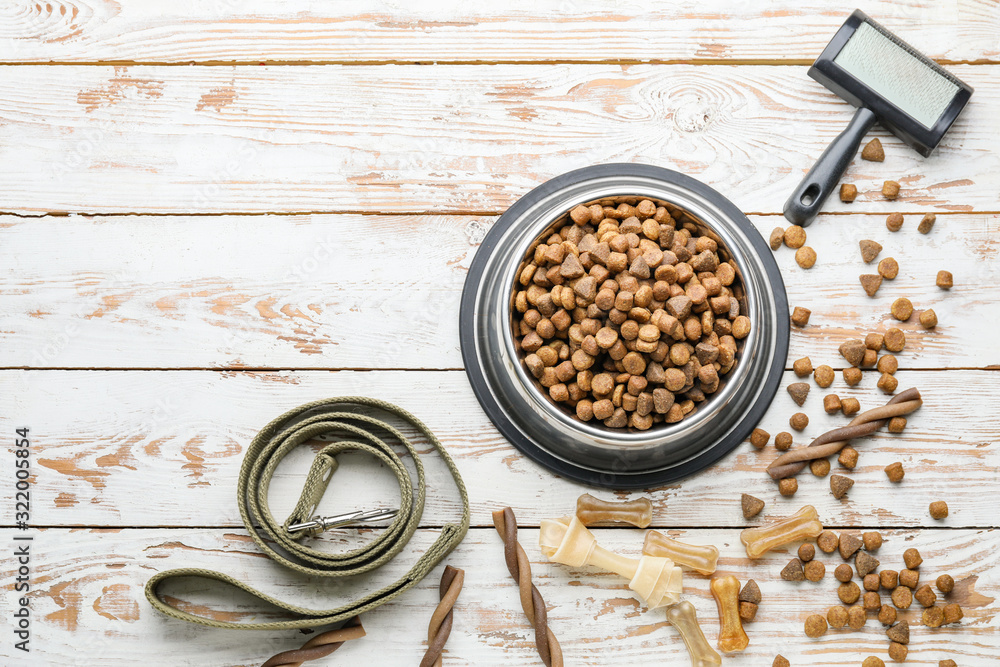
351 417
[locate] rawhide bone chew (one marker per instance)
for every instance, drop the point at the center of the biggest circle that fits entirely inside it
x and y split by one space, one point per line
591 511
831 442
531 600
726 591
439 628
319 646
656 580
801 525
683 617
699 558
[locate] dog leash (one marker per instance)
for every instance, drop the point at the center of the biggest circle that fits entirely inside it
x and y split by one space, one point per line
355 420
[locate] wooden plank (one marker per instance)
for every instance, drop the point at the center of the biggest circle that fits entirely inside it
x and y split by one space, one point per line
87 599
449 30
332 291
103 440
160 139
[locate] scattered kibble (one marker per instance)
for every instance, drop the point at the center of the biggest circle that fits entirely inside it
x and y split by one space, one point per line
888 364
843 573
874 341
788 486
945 280
831 404
890 189
873 151
856 617
870 282
798 391
895 340
939 509
945 583
888 268
953 613
849 545
870 250
902 597
793 571
899 632
827 541
848 192
814 570
898 651
912 558
926 223
895 472
909 579
928 319
759 438
819 467
871 601
849 592
803 367
751 506
871 582
836 616
894 222
887 615
933 617
806 552
852 376
887 383
848 457
853 351
776 238
947 663
800 316
850 406
872 540
780 661
926 596
865 563
805 257
748 611
897 425
815 626
783 441
873 661
889 579
799 421
795 237
824 376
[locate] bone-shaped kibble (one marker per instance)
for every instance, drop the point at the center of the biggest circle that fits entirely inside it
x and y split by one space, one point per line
656 580
699 558
726 591
682 616
591 510
801 525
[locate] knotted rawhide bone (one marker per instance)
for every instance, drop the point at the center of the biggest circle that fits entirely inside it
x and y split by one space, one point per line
683 617
353 424
831 442
801 525
593 511
441 620
655 579
319 646
531 600
699 558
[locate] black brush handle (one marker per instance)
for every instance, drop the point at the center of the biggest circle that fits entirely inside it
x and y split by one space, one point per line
807 199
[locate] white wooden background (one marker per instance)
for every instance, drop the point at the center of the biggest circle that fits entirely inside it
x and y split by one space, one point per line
212 211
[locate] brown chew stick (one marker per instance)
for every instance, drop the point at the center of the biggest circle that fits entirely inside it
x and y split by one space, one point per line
833 441
531 600
319 646
440 626
591 511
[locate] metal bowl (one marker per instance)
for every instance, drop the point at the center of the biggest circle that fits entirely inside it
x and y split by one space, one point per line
592 453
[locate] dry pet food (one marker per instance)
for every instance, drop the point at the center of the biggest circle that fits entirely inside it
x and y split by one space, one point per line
939 509
928 319
871 582
865 563
888 363
888 268
843 573
799 421
751 506
824 376
870 601
898 651
872 661
853 351
870 250
827 541
848 457
805 257
776 238
626 321
831 404
902 309
926 223
870 282
873 151
759 438
872 540
814 570
783 441
887 615
889 579
926 596
802 367
819 467
850 406
874 341
944 280
902 597
895 340
894 222
887 383
798 391
945 583
800 315
849 592
900 632
806 552
895 472
748 612
856 617
852 376
933 617
952 613
788 487
795 237
890 189
896 425
836 616
849 545
780 661
848 192
909 578
840 485
815 626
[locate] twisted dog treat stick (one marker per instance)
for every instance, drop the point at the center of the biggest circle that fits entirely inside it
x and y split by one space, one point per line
319 646
591 510
653 578
699 558
804 523
531 600
833 441
441 620
683 617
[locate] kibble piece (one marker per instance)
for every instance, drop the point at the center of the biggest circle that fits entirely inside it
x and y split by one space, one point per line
805 257
798 421
909 578
887 615
897 425
928 319
836 616
831 404
888 268
912 558
894 222
777 236
926 223
887 383
820 467
800 316
840 485
926 596
895 472
815 626
795 237
873 151
748 611
856 617
939 509
902 597
871 356
793 571
873 341
848 457
895 340
952 613
824 376
889 579
850 406
888 363
848 592
849 545
780 661
902 309
848 192
750 592
890 189
947 663
853 351
741 327
871 601
802 367
751 506
788 486
870 250
945 583
783 441
873 661
899 632
806 552
944 280
870 282
898 651
827 541
759 438
865 563
852 376
933 617
872 540
843 573
814 570
798 391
